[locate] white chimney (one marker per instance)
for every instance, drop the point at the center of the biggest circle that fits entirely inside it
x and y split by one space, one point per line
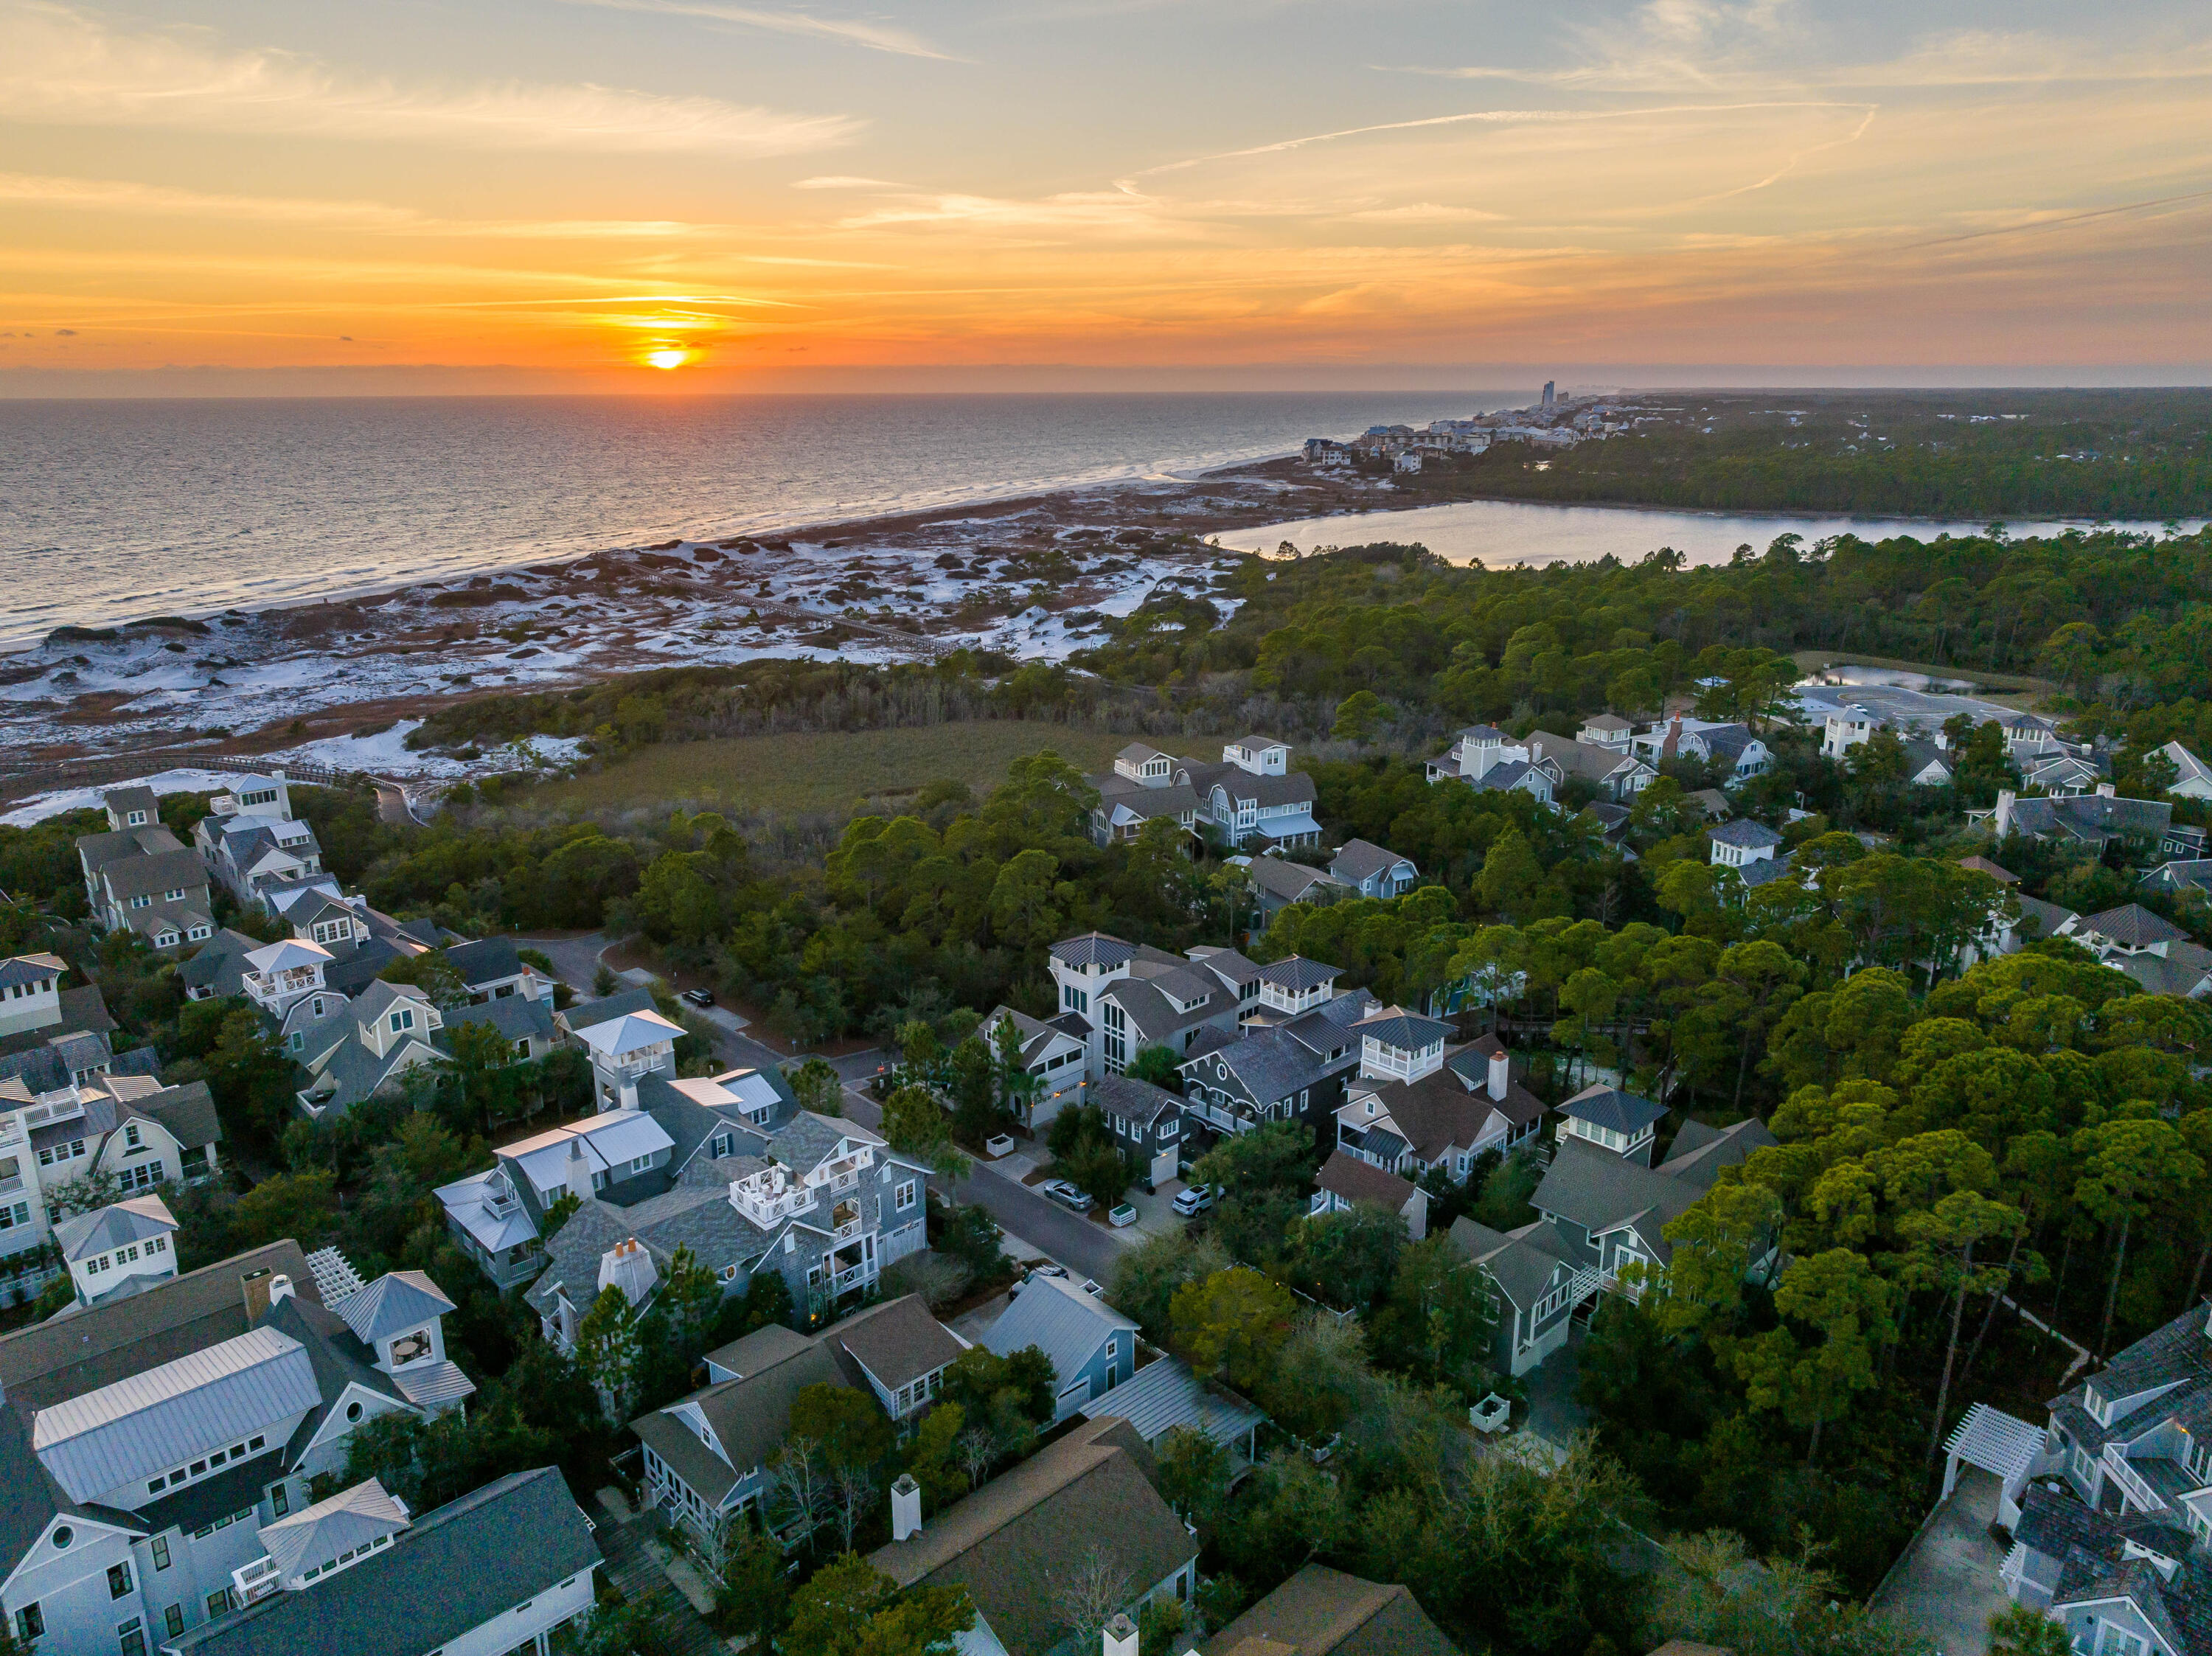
1501 1075
2106 791
1120 1636
280 1289
2001 824
579 1171
905 1511
627 1266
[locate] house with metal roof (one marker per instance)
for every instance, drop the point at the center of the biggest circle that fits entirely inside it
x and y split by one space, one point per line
507 1568
148 1437
1324 1612
1093 1347
1131 995
1164 1395
1374 870
1085 1499
625 1037
708 1456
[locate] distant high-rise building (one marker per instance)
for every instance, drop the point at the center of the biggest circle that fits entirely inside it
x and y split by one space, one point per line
1547 393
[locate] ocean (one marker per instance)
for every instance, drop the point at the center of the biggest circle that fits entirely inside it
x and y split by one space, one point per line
110 510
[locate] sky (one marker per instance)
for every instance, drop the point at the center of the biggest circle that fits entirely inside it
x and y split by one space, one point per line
654 194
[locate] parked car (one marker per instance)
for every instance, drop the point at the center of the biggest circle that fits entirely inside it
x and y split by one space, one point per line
1196 1199
1068 1196
700 997
1048 1269
1122 1215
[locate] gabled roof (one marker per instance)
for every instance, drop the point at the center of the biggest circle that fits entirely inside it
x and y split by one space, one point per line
1599 1191
1232 966
897 1342
1984 865
1269 1063
448 1573
1522 1263
30 969
485 961
1056 1316
1008 1543
1291 881
1351 1180
750 1418
159 871
1324 1612
1363 859
1140 1101
1611 1108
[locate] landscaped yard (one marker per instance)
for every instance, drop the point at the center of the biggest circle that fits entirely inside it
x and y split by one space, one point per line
829 770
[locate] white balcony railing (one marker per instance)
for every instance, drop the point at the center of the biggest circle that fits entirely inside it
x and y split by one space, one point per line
854 1276
257 1580
2138 1493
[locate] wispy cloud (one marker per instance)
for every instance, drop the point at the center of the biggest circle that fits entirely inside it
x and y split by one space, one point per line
59 66
876 37
842 181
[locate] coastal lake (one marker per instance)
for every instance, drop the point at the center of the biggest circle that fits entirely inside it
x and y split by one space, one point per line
1504 533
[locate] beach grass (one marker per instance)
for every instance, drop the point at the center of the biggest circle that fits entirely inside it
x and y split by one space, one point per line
797 772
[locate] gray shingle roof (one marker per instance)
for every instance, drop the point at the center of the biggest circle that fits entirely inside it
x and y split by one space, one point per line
1745 834
1600 1190
1269 1063
1293 882
485 961
1363 859
1355 1181
449 1572
30 969
1324 1612
1407 1031
897 1342
1141 1102
2131 926
1093 948
1295 973
1614 1109
1522 1263
513 1016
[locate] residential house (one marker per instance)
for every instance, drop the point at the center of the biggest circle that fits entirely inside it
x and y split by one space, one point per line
525 1023
1442 1117
2119 1582
148 1438
1276 884
277 974
1617 774
1928 764
2184 842
1290 1060
1712 802
1093 1347
2062 774
1146 1122
1051 1052
1612 1209
118 1249
1538 1283
821 1202
217 969
2003 876
1484 756
1324 1612
1130 996
51 1037
626 1038
1607 730
252 842
2192 777
2189 878
1346 1181
1086 1499
1374 872
494 970
2092 820
2156 953
708 1455
140 876
1251 796
130 1128
364 1048
1741 843
507 1567
1740 754
1616 1121
1165 1394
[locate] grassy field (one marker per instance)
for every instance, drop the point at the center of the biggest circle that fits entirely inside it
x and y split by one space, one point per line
831 770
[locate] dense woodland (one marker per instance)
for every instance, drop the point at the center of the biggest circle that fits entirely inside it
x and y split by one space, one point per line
1952 1131
2145 455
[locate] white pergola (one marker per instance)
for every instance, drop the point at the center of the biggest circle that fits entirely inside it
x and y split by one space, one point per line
1993 1441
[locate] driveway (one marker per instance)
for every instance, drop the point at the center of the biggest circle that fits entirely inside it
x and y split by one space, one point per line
1945 1585
576 962
1087 1249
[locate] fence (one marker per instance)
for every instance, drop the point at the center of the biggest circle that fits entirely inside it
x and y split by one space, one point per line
19 780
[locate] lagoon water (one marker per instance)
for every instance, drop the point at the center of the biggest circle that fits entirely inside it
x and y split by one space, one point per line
1504 533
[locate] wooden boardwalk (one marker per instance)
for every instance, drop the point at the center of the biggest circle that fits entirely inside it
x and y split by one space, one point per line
637 1575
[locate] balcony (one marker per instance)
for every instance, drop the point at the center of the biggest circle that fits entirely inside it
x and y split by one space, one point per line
854 1276
850 1228
257 1580
2134 1490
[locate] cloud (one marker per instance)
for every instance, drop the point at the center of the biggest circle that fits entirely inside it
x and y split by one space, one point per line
842 181
873 36
59 66
1423 212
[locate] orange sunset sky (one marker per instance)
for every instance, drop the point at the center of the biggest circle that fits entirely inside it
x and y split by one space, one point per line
564 194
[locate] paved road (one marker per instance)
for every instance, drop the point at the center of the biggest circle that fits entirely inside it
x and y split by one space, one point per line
1080 1245
576 962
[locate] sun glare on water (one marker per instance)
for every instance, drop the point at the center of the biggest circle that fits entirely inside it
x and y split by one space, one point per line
669 356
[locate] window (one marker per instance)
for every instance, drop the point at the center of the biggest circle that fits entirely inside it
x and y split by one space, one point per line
219 1601
161 1552
30 1622
411 1347
402 1019
639 1164
62 1536
119 1580
18 1214
130 1637
173 1620
903 1198
132 1136
353 1412
280 1499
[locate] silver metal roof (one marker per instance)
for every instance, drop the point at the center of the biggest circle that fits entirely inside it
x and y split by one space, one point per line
120 1434
1165 1394
394 1303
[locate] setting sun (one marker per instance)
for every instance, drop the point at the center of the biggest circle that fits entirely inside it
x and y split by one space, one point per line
668 356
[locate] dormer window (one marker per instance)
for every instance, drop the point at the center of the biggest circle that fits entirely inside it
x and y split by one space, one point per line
402 1019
